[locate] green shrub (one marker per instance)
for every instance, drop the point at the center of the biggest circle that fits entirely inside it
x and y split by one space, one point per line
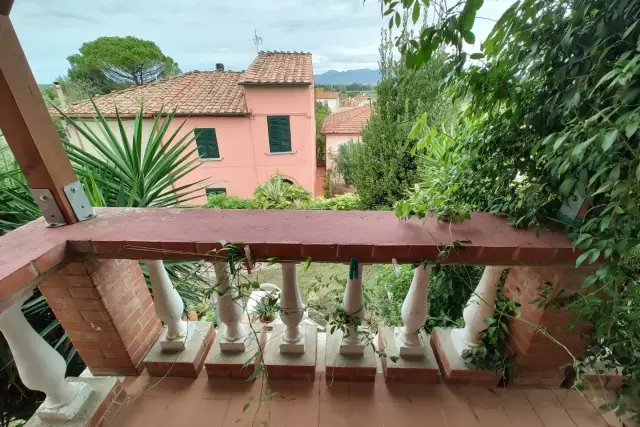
342 202
224 201
346 160
449 290
450 287
278 194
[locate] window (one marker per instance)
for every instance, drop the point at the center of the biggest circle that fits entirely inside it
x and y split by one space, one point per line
207 143
279 134
214 191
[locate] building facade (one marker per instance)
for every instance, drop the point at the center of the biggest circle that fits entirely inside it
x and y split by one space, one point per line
246 126
343 127
331 100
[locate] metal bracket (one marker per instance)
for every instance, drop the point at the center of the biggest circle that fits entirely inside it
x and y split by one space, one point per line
79 201
48 207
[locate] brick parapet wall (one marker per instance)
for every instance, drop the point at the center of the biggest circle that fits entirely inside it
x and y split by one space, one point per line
539 361
105 308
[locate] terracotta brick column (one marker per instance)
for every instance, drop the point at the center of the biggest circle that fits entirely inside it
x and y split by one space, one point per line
539 361
106 309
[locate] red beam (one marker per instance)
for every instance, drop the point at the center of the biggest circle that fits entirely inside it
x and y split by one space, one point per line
324 236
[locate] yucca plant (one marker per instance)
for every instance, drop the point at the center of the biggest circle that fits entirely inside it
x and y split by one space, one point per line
16 205
136 172
130 171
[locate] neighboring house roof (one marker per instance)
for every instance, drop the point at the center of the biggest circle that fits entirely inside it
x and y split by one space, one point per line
346 122
321 94
280 68
209 93
349 102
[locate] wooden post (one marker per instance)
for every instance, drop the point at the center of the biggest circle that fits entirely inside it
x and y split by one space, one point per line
5 7
26 123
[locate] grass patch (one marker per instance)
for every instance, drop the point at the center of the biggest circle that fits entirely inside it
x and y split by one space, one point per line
321 285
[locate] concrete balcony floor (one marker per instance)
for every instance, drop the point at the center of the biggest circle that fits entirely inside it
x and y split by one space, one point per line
167 402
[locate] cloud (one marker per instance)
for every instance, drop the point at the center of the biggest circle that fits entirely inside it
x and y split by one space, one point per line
341 34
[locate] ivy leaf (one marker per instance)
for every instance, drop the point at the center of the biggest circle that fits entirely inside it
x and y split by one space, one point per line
559 142
397 17
609 138
566 186
416 12
477 55
581 258
604 187
468 20
469 37
630 129
631 27
580 148
307 264
259 368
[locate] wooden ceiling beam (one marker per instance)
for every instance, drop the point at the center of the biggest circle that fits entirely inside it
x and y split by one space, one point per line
5 7
27 125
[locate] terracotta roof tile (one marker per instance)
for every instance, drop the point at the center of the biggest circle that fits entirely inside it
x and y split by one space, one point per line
279 68
321 94
349 102
198 92
350 121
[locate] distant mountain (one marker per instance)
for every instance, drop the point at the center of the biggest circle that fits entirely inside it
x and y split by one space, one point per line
333 77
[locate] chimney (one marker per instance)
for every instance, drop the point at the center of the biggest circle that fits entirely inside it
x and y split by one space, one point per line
63 100
219 66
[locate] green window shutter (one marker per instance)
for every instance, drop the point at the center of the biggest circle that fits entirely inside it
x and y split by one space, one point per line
279 134
207 143
214 191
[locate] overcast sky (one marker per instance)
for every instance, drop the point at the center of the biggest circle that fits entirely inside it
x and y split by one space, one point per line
341 34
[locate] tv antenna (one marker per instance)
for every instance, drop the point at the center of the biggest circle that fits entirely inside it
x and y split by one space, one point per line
257 40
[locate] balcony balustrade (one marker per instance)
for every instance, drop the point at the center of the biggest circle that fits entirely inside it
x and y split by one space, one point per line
79 268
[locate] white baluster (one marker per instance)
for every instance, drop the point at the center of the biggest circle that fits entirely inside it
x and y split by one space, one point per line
291 311
169 308
229 311
353 304
41 367
480 306
415 310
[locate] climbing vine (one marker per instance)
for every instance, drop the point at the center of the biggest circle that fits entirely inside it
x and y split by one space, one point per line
552 105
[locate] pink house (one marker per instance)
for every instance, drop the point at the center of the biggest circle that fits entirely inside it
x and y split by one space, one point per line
248 125
342 127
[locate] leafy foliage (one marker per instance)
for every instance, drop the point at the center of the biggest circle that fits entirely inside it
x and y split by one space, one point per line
224 201
278 194
440 163
267 307
385 170
492 354
321 111
553 91
341 202
346 160
16 205
449 290
131 171
299 200
109 63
